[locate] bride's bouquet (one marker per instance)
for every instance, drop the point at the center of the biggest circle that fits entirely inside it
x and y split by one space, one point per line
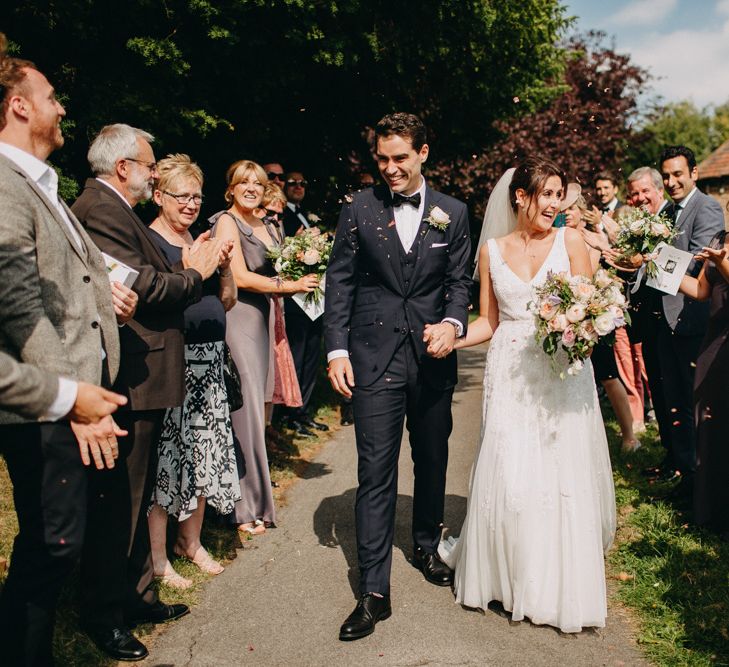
573 312
301 255
640 231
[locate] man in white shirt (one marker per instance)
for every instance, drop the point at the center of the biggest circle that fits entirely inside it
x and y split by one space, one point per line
57 314
397 295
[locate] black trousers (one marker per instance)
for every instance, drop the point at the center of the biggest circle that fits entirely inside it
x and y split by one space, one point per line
116 565
380 411
50 495
670 362
305 341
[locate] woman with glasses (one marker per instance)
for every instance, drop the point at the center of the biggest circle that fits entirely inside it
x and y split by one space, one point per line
248 333
196 464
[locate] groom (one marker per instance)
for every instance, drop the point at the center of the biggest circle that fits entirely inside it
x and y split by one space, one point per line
396 300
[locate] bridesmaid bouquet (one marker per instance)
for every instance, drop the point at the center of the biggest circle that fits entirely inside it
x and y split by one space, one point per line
573 312
300 255
640 232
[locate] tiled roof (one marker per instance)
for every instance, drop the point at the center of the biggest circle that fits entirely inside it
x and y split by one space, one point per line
717 164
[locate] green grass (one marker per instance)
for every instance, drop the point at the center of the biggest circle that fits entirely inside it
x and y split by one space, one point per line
288 459
678 583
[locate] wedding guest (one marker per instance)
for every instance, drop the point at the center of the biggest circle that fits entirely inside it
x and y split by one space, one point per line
196 463
304 334
57 314
275 173
117 572
601 217
603 356
679 325
284 385
711 400
248 334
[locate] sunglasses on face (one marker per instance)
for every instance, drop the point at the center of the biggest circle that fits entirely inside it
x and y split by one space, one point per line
274 214
299 182
273 176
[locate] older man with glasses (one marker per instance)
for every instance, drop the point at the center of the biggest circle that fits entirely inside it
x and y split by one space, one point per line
275 173
117 573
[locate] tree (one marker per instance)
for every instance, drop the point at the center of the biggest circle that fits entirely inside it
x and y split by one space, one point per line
702 130
585 129
295 80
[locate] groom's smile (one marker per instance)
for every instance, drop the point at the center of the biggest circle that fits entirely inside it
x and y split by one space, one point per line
399 163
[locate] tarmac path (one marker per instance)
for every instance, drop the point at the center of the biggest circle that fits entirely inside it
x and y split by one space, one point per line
283 598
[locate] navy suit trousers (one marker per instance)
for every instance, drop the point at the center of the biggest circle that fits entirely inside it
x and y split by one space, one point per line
380 412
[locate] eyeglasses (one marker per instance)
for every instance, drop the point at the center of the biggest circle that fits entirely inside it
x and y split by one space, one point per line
152 166
184 199
274 214
300 182
275 176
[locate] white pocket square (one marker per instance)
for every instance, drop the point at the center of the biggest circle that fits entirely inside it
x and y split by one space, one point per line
438 245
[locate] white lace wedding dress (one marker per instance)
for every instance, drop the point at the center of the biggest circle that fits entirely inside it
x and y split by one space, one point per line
541 507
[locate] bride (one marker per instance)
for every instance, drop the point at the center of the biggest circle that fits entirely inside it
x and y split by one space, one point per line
541 506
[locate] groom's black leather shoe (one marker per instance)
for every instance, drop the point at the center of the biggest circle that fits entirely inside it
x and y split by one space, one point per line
433 568
159 612
361 622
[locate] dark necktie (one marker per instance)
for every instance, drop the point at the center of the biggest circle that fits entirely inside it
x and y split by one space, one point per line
413 200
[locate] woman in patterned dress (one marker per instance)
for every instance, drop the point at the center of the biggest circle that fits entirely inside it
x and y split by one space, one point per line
196 464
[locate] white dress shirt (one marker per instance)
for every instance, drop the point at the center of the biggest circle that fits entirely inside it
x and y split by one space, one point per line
46 179
111 187
299 215
408 218
680 205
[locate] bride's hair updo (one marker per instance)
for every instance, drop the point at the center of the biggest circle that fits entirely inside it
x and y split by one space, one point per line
531 175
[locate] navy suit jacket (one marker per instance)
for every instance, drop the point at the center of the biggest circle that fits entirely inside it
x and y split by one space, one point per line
368 306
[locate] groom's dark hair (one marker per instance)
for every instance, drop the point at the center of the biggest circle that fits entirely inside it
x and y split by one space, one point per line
531 175
404 125
670 152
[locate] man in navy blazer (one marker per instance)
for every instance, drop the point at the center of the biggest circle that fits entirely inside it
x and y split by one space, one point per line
396 299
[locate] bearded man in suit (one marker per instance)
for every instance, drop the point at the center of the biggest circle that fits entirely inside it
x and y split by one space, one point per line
397 298
59 316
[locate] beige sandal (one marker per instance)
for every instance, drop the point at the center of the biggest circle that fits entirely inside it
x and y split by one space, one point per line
203 560
172 579
256 527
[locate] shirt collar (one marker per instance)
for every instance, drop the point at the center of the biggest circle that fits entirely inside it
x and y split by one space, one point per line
682 204
30 164
111 187
612 204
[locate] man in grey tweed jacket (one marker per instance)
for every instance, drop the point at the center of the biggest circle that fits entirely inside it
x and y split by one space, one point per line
57 314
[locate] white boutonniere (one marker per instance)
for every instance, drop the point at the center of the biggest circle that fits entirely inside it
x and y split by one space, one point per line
438 218
313 218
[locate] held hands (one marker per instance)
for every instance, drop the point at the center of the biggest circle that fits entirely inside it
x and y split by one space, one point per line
341 375
440 339
125 302
98 441
94 403
203 255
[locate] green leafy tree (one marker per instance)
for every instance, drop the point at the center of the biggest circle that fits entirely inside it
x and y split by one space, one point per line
293 80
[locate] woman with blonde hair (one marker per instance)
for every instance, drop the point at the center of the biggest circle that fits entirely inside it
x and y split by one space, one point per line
196 464
248 333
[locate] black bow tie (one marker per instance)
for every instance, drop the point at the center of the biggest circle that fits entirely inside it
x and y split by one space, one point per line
413 200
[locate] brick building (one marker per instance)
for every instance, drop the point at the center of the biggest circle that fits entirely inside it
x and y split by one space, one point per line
714 177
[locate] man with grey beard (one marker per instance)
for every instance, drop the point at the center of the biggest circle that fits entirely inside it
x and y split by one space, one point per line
117 571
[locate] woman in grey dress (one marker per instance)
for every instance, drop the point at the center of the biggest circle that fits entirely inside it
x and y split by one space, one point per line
248 333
